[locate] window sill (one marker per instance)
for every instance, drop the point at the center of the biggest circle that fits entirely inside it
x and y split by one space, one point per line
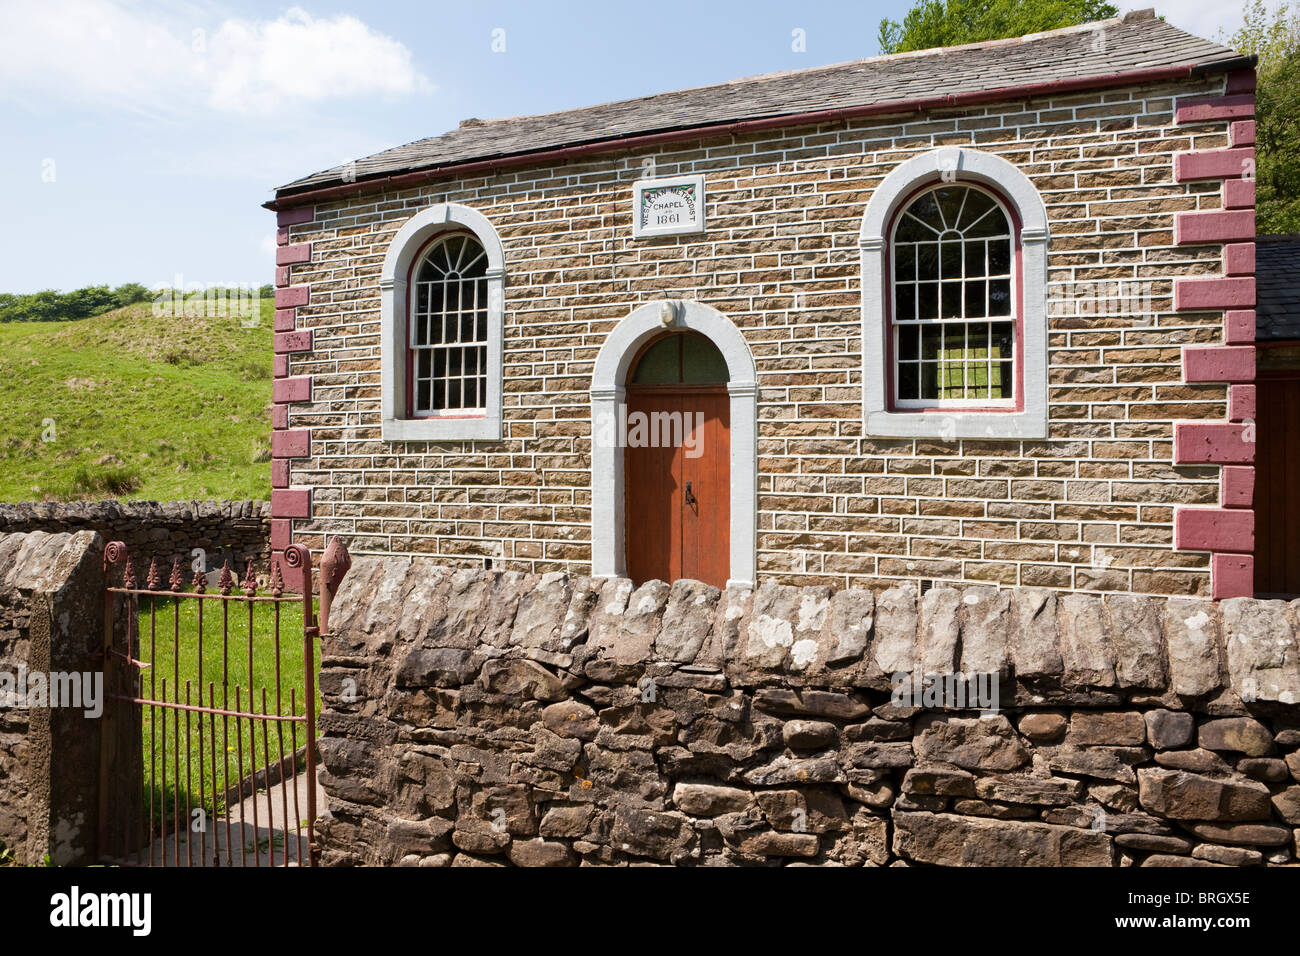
441 429
956 424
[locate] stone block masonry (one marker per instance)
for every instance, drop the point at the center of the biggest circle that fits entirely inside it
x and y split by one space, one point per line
1148 202
51 620
478 718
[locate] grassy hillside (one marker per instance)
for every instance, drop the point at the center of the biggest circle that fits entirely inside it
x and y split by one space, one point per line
141 407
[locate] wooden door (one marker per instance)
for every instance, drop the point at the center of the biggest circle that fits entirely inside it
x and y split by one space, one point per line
677 501
1277 486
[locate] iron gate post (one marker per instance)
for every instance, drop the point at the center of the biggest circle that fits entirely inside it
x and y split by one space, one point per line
115 552
297 556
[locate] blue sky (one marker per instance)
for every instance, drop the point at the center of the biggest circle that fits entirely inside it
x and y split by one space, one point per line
140 139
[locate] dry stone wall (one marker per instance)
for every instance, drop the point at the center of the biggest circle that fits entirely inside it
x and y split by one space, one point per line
495 718
240 530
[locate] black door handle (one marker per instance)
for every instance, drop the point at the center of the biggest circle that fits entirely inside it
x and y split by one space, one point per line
690 498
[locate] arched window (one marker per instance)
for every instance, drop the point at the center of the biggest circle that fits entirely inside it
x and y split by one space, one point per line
954 300
442 303
448 331
953 317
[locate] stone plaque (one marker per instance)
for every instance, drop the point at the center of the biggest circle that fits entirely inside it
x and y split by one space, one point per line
667 207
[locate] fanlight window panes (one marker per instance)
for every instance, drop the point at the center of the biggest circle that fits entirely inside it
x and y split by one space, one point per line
684 358
449 329
953 321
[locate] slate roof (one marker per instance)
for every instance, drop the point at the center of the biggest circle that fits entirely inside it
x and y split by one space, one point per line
1135 41
1277 287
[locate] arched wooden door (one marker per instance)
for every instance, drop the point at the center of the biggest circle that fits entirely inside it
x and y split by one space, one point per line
676 435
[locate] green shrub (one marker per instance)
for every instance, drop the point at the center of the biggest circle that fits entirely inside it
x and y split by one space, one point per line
113 480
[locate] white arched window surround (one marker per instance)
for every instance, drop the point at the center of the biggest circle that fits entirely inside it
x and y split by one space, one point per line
409 242
609 375
957 165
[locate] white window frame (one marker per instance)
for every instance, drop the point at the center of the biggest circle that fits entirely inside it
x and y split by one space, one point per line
947 422
409 242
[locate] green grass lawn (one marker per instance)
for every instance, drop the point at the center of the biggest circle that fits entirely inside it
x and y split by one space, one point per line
192 759
132 405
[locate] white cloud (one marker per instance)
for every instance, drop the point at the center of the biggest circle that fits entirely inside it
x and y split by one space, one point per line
116 53
268 246
87 51
256 66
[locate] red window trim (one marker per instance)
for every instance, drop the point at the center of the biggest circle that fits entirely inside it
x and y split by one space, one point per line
1017 298
416 261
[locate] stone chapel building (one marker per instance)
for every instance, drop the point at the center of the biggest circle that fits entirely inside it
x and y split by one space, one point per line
982 314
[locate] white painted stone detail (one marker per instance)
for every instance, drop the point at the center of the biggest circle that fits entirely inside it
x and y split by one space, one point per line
608 549
967 165
410 239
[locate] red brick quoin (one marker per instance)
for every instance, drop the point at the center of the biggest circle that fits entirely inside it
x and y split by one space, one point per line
289 503
1228 531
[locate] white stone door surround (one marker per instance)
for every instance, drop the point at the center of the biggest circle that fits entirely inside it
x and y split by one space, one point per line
608 520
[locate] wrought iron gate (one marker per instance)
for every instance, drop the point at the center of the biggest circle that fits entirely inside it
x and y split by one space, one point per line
207 753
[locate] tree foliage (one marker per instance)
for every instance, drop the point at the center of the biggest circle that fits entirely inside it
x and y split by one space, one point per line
52 306
1277 199
937 23
1274 37
1270 36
